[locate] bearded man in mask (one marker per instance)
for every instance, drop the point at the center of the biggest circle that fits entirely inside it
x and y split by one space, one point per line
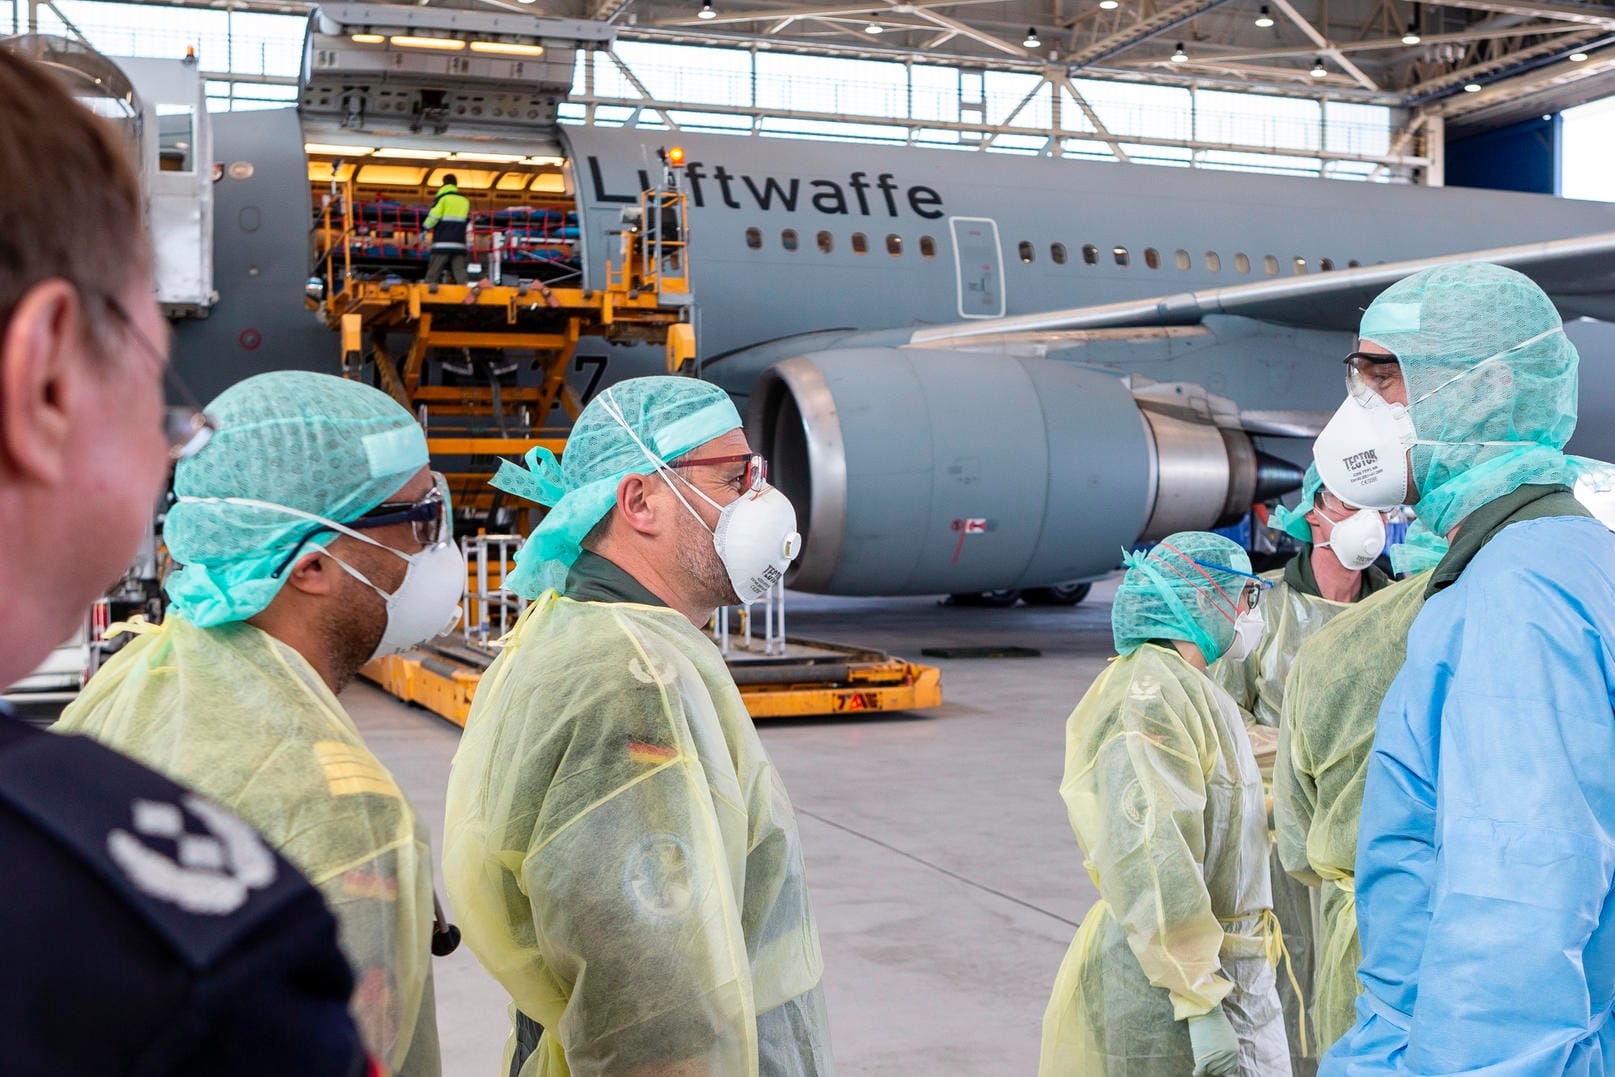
620 851
311 536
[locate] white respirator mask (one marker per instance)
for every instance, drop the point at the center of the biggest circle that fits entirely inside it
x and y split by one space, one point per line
1357 540
427 602
1362 452
1248 629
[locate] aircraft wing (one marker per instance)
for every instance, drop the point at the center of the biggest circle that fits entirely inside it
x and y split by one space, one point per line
1578 273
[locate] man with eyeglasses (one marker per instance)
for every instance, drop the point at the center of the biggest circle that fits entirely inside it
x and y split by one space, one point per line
1333 569
147 930
621 853
1485 855
310 536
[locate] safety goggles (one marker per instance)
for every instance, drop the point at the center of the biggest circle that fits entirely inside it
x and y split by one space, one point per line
756 466
186 426
1255 586
1370 374
431 520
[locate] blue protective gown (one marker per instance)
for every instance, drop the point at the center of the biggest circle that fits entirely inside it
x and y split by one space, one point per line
1487 846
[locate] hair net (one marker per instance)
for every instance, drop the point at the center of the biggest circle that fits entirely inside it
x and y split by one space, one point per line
1421 549
671 415
1293 522
1165 595
1491 383
311 442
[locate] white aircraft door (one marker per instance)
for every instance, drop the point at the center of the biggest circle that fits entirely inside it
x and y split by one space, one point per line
978 267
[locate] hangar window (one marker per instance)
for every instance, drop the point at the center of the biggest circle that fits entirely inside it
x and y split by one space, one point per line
1120 254
827 242
1057 253
927 247
860 243
1152 257
754 238
1213 262
1300 266
787 239
1242 263
1353 264
1271 264
1090 254
1325 265
1182 259
894 245
1027 254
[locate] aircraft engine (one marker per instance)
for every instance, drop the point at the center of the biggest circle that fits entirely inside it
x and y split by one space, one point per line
918 471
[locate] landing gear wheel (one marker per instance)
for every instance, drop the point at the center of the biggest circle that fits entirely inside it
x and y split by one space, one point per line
988 599
1063 594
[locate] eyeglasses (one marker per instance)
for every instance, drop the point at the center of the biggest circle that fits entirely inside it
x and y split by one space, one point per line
1371 373
1253 589
756 467
187 427
431 519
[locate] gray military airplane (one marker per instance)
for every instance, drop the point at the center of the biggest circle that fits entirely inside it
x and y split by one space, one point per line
971 372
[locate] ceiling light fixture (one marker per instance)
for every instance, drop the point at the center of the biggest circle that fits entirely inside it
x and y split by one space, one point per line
507 48
1412 36
1263 18
413 155
492 158
326 149
368 39
1318 70
1578 57
1179 56
874 28
1031 41
1471 87
706 11
442 44
1109 5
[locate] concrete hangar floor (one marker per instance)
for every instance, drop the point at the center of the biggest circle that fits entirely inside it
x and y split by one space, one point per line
946 880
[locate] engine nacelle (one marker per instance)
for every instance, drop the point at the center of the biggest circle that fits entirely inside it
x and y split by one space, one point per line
918 471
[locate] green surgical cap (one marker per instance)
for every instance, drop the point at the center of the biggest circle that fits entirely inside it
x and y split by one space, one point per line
1421 549
1165 595
318 444
671 415
1491 383
1293 522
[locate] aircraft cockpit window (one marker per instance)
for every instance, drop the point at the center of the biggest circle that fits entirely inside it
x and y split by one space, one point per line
1027 254
1325 265
1242 263
1090 254
927 247
1182 259
754 239
1300 266
1152 257
1120 254
1213 262
1271 264
860 243
1057 253
827 242
894 245
787 239
176 138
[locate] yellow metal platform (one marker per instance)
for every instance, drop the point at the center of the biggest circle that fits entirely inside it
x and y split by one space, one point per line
809 679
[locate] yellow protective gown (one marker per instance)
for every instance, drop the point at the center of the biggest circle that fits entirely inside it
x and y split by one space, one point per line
1167 805
623 858
242 718
1331 705
1256 685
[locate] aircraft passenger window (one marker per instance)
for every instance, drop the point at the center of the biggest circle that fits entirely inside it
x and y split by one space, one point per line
1325 265
1242 263
1152 257
1090 254
787 239
1057 253
894 245
1300 266
1027 255
1353 264
827 242
1182 259
1271 264
1120 254
927 247
1213 262
860 243
754 239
